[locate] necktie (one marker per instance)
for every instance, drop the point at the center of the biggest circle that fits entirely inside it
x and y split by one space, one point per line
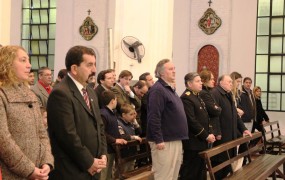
86 98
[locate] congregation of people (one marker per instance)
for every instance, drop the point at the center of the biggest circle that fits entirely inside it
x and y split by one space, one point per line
67 129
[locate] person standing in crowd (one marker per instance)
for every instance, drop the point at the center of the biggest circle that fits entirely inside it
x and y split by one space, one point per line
112 133
74 122
230 124
147 78
236 92
149 82
261 116
139 89
31 80
247 104
105 82
43 88
200 134
60 75
123 90
213 109
167 124
25 151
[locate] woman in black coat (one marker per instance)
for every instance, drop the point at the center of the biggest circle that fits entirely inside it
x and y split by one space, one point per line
261 116
213 109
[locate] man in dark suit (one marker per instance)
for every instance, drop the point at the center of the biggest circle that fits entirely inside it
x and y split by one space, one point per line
149 82
74 122
123 91
105 80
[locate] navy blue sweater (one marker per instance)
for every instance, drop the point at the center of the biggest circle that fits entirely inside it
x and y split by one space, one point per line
111 127
165 114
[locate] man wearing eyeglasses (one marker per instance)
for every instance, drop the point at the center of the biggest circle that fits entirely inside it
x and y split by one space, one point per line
43 88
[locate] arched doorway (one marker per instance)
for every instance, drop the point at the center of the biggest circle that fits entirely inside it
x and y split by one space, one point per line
208 58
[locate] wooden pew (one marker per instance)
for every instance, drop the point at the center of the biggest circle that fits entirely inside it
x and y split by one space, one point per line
260 167
273 137
123 156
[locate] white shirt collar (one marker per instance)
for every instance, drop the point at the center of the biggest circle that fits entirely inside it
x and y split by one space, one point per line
78 84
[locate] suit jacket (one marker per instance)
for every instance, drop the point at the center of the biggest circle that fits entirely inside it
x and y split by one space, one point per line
197 120
24 141
248 105
99 90
123 97
76 132
41 93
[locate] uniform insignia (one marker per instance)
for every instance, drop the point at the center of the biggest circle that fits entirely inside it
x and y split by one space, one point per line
188 93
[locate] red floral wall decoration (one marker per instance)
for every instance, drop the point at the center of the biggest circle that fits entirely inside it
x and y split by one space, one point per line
208 58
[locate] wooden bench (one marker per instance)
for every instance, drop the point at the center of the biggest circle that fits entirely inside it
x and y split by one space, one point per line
121 158
273 138
259 167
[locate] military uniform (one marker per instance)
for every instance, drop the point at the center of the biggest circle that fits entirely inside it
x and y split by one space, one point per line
193 166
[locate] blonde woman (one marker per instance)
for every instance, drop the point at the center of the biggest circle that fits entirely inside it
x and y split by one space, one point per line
261 116
25 151
237 78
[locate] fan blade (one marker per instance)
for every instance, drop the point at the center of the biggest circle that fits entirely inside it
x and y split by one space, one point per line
136 44
126 43
139 56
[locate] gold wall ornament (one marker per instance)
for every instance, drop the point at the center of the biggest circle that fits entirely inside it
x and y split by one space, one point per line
209 22
88 29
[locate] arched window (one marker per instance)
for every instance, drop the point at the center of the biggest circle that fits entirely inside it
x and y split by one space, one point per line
38 31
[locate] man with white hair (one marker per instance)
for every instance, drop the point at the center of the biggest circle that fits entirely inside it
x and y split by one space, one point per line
230 124
167 124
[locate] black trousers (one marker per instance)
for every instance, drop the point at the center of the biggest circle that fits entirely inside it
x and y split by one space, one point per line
193 166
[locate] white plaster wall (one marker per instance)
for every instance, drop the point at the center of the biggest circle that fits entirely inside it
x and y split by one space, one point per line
220 39
149 21
243 32
5 13
70 17
15 22
193 38
181 43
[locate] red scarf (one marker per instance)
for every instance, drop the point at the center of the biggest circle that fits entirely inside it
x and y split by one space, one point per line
47 88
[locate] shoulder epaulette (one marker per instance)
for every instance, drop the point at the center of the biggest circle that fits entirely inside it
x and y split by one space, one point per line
188 93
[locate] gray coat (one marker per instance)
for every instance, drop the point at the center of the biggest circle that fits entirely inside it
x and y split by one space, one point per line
23 138
41 94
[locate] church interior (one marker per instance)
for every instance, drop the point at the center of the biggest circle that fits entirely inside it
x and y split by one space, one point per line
220 35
